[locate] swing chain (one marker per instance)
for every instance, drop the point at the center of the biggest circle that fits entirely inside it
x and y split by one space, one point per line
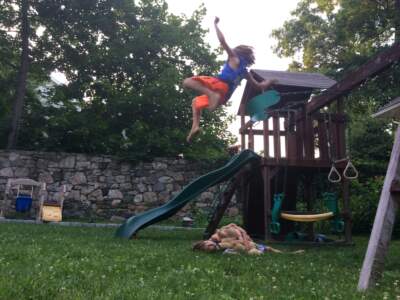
349 169
333 173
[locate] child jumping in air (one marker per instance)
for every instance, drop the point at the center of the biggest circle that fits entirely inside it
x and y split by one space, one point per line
216 91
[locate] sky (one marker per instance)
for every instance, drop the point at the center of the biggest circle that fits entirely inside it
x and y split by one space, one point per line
247 22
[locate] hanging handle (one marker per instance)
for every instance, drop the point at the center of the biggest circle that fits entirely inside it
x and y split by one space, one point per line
334 173
350 169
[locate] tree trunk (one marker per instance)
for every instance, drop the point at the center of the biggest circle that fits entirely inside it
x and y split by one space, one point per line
18 104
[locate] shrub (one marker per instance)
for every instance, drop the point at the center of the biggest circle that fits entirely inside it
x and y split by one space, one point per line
364 202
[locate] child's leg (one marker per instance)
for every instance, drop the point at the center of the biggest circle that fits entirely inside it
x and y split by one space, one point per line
213 97
270 249
274 250
196 113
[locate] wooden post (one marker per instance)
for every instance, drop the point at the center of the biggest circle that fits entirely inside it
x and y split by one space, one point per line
300 137
277 138
340 131
250 143
242 135
266 182
383 224
222 206
346 210
241 193
308 198
267 200
340 137
397 21
291 146
266 138
322 140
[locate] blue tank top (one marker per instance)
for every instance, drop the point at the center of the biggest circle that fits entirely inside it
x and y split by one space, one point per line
233 77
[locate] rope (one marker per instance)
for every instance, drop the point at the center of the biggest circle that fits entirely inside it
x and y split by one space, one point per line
350 172
334 175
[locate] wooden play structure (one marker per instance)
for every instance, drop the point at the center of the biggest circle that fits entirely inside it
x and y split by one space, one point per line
303 134
302 124
388 206
29 195
297 146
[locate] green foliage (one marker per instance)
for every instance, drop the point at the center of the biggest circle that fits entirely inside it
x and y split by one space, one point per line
125 62
364 202
336 36
370 144
44 262
8 66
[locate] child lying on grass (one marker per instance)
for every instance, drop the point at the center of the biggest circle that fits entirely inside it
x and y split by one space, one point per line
234 239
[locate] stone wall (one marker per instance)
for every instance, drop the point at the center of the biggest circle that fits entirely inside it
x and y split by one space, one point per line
103 186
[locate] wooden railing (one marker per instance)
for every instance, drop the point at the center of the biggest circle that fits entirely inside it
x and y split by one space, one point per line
319 137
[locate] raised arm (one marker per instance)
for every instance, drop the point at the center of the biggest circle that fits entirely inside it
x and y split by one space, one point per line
222 41
263 85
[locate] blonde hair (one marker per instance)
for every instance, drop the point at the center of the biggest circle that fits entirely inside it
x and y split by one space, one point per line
246 52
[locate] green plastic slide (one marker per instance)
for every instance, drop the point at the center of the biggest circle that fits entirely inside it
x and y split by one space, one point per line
132 225
257 105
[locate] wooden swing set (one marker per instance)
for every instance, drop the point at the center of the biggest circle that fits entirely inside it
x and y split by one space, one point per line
303 134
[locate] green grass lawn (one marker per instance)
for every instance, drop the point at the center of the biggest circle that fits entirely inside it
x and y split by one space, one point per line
54 262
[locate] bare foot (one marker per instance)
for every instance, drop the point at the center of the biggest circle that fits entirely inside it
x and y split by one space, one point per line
192 132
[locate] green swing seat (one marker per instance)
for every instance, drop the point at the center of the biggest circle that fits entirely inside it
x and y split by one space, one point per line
256 107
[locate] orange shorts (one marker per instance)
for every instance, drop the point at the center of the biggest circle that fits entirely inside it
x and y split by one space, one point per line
213 84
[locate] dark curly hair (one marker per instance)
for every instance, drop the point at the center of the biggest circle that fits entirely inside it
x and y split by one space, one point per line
201 246
246 52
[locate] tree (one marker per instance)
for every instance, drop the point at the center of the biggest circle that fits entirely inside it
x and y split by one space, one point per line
8 67
124 62
334 38
18 104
